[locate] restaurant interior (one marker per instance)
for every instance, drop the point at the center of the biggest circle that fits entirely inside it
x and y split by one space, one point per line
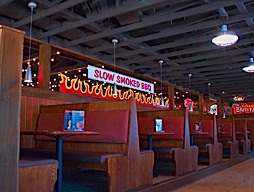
123 95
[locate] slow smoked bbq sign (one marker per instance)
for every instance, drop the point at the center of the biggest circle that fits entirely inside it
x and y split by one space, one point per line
99 74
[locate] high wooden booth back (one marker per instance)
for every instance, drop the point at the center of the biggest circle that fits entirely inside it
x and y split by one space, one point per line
126 165
177 146
210 151
37 175
242 135
227 137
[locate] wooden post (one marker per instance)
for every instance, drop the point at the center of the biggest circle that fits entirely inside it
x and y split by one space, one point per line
186 130
171 99
44 66
215 135
233 125
201 104
11 56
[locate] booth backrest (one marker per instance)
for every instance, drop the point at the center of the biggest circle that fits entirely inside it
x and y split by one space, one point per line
173 124
250 128
112 125
227 128
239 127
207 126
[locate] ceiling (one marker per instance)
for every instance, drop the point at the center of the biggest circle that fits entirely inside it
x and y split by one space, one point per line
177 31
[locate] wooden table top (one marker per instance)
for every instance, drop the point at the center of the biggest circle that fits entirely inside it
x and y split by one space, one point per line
200 133
57 133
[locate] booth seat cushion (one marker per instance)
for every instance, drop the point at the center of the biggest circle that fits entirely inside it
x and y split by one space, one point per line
27 162
89 157
38 153
163 150
79 156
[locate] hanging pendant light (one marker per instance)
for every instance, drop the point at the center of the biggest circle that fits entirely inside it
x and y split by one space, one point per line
209 86
28 76
162 99
191 107
250 68
223 110
225 38
223 114
114 41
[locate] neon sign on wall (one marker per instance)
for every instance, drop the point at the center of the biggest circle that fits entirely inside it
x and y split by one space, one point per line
243 107
81 87
99 74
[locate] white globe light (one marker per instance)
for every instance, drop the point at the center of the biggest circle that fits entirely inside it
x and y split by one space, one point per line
226 38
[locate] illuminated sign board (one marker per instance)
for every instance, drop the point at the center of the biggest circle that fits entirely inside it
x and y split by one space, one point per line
243 108
99 74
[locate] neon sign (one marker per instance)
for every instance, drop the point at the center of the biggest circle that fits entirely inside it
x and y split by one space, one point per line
243 107
99 74
83 88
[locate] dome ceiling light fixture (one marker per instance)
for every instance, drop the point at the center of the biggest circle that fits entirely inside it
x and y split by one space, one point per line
250 68
225 38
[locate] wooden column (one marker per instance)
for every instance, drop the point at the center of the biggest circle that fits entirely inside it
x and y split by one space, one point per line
44 67
171 99
11 57
201 104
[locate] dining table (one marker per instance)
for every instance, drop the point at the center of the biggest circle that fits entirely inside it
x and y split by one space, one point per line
196 133
150 136
59 138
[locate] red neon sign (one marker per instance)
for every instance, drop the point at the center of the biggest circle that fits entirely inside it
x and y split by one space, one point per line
243 108
81 87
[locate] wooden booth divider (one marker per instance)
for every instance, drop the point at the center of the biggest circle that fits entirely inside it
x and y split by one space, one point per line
170 147
227 136
115 150
242 135
250 131
37 175
205 137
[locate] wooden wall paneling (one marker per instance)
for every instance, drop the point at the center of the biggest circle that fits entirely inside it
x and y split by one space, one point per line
134 153
171 94
30 108
11 57
201 104
29 120
23 140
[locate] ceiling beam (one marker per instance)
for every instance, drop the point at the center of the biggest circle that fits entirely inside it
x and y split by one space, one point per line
48 12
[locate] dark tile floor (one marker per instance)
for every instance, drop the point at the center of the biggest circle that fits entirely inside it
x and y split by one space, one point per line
85 181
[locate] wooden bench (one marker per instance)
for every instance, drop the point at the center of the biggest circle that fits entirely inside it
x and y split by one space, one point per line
242 136
37 175
172 148
227 137
115 150
210 151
